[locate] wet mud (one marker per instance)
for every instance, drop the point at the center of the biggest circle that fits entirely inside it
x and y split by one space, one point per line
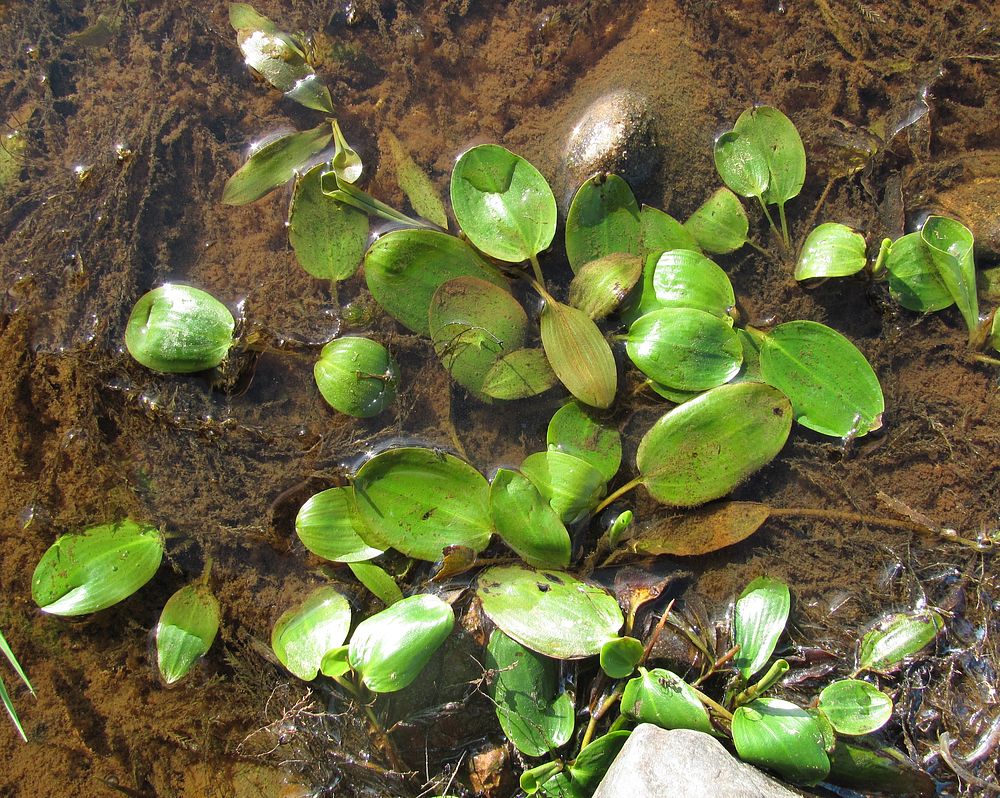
135 114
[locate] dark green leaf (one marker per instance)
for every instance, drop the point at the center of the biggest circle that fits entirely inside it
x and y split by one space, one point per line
914 281
664 699
305 634
96 568
519 374
550 612
758 620
855 707
328 525
603 219
357 376
186 630
594 760
526 521
831 250
579 354
572 485
620 655
720 223
703 448
275 163
418 501
884 770
898 637
783 737
574 429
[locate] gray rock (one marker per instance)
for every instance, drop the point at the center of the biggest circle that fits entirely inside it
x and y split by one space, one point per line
683 763
616 133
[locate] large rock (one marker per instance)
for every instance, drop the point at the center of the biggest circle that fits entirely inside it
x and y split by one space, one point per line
656 762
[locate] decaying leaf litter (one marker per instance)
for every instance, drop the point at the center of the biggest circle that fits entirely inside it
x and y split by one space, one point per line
62 466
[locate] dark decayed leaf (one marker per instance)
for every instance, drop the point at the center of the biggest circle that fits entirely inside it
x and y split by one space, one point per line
883 770
699 531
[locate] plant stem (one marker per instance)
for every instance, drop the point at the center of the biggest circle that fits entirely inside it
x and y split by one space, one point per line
716 665
713 704
612 497
784 225
599 713
537 269
767 213
391 753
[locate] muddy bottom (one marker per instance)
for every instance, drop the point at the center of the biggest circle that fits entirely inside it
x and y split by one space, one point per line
134 114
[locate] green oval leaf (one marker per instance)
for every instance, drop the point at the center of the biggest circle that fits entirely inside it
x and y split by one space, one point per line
778 735
685 348
898 637
579 354
682 278
574 429
620 655
390 649
534 714
356 376
661 231
664 699
832 387
418 501
855 707
472 323
526 521
328 237
572 485
600 286
776 137
275 163
417 186
96 568
914 281
758 620
305 634
404 268
519 374
328 525
950 243
186 630
741 164
720 223
502 203
603 219
179 329
550 612
831 250
702 449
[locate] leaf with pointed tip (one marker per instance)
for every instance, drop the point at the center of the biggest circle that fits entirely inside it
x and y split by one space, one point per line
526 522
404 268
502 203
418 501
661 231
550 612
275 163
662 698
574 429
579 354
898 637
758 620
832 387
572 485
704 448
700 531
417 186
328 237
779 735
186 630
950 244
831 250
720 223
328 525
855 707
305 634
519 374
914 280
600 286
603 219
378 582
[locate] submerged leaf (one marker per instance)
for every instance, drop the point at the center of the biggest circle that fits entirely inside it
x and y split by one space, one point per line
275 163
758 620
741 164
378 581
579 354
603 219
600 286
92 570
898 637
186 630
305 634
855 707
720 223
700 531
357 376
882 770
417 186
519 374
831 250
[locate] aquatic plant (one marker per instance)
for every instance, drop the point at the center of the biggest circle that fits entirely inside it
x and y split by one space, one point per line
8 703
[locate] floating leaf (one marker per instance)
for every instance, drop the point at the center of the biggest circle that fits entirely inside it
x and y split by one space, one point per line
758 620
472 323
186 630
579 354
832 387
574 429
855 707
831 250
275 163
328 525
914 281
405 267
305 634
502 203
896 638
600 286
519 374
390 649
685 348
572 485
603 219
882 770
329 238
720 223
702 449
378 582
92 570
418 501
335 663
356 376
700 531
664 699
534 714
661 232
683 278
950 244
776 136
620 655
741 164
778 735
550 612
526 521
179 329
417 186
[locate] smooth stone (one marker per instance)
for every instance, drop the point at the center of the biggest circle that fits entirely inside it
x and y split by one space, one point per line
655 762
616 134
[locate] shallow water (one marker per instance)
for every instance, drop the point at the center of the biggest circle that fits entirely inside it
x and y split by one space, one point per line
130 138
